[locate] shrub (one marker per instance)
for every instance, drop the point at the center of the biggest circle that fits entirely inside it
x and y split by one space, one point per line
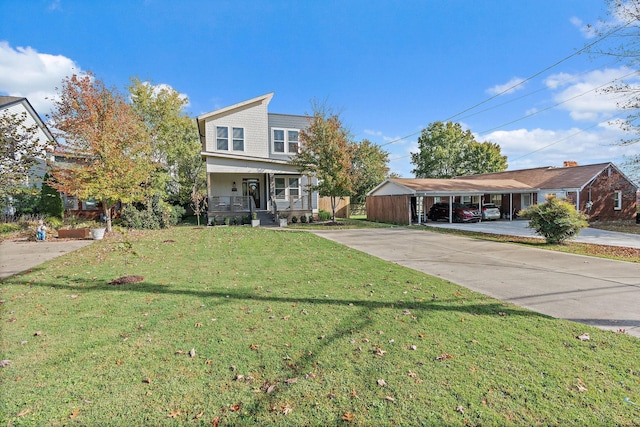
324 215
50 203
54 222
294 219
303 219
227 220
153 215
556 220
311 219
9 227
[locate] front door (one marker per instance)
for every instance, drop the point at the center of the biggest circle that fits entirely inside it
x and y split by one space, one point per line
251 187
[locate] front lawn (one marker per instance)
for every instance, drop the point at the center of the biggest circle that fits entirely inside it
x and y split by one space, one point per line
242 326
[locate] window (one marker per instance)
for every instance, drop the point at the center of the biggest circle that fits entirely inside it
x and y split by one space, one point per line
281 188
617 200
293 141
238 139
278 141
294 187
222 135
285 141
287 187
222 138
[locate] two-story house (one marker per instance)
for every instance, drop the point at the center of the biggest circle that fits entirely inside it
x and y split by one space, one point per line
247 151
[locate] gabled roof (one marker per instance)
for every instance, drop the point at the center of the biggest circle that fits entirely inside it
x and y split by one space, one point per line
574 177
257 100
8 101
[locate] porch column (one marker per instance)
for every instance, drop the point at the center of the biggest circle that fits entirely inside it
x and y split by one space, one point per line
272 191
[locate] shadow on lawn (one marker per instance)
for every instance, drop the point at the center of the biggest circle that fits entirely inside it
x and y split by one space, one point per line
434 304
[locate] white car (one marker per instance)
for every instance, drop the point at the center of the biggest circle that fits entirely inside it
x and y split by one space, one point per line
490 212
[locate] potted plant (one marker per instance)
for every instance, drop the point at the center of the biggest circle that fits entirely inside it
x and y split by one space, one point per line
255 222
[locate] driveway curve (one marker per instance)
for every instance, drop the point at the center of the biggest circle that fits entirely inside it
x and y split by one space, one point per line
595 291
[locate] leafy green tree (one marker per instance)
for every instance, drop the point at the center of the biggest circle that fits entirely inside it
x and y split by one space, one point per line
20 150
556 220
369 168
326 154
50 203
446 150
174 139
106 141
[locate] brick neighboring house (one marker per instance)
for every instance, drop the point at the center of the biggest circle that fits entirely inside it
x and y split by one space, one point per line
601 190
247 151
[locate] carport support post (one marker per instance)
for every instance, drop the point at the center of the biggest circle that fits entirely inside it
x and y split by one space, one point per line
510 206
450 210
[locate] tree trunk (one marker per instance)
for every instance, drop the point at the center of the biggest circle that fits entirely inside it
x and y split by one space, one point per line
107 214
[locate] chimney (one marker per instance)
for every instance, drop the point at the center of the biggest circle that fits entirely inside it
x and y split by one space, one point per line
569 164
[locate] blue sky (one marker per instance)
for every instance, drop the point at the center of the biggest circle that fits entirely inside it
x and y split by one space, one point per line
388 67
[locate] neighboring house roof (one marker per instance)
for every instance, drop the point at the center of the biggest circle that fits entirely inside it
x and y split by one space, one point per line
444 187
551 178
518 181
7 102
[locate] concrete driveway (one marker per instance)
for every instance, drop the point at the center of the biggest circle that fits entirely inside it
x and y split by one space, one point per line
595 291
21 255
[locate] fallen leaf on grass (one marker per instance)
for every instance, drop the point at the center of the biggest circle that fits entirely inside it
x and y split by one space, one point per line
354 394
286 409
413 347
37 333
24 412
235 407
382 383
197 325
291 381
390 398
254 347
271 388
180 352
192 352
215 422
147 380
13 319
584 337
581 388
444 356
348 416
460 409
173 414
412 374
74 414
119 362
198 416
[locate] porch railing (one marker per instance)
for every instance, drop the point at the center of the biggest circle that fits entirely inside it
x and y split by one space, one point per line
220 204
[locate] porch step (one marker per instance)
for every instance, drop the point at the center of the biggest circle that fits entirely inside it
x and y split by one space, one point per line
266 219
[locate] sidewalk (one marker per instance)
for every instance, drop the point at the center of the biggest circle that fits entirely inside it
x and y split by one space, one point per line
20 255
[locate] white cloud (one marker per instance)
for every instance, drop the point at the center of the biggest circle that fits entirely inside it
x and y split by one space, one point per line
584 95
28 73
509 87
527 148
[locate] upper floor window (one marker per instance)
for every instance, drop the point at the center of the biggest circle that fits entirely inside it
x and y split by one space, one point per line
285 141
617 200
222 138
238 139
222 135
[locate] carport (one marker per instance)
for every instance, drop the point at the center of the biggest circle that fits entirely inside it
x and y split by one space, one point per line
402 200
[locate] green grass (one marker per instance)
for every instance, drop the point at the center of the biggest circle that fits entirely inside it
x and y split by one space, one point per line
588 249
311 326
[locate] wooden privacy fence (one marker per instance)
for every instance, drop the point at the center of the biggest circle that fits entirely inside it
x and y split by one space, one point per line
342 209
391 209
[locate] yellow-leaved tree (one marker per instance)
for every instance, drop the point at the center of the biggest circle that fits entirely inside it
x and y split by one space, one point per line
106 144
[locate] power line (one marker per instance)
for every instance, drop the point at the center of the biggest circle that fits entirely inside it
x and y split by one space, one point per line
578 52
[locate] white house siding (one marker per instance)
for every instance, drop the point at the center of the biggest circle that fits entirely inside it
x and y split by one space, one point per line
253 118
19 109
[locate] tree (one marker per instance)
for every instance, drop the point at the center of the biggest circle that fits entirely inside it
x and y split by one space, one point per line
50 203
623 33
106 140
20 150
556 220
446 150
369 168
326 154
174 139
